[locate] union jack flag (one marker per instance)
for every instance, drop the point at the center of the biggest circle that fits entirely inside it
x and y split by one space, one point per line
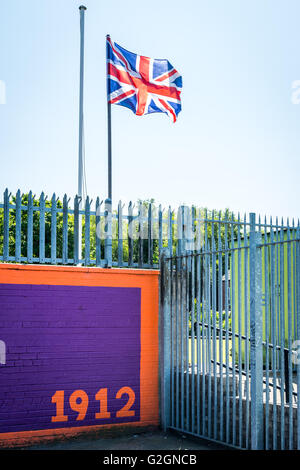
142 84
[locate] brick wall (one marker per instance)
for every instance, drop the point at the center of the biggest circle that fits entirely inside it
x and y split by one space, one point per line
81 351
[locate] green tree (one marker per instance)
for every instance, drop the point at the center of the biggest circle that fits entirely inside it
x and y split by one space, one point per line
208 230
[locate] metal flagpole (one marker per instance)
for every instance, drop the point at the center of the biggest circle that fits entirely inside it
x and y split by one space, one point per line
80 147
109 162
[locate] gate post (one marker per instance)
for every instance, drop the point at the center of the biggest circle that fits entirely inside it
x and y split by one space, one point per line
165 341
256 327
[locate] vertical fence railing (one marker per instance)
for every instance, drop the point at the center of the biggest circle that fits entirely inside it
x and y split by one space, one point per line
65 230
108 234
30 228
234 330
297 328
6 226
53 231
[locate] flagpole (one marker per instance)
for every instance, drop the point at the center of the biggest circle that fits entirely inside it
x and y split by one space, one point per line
82 10
109 150
109 153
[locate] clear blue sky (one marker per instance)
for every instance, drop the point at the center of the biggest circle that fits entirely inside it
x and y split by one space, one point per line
236 143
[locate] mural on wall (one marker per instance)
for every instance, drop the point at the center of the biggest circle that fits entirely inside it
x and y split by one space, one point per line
72 356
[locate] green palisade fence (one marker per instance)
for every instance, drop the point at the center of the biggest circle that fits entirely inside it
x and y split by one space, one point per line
65 232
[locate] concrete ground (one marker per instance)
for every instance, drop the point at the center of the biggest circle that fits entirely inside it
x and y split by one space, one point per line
154 440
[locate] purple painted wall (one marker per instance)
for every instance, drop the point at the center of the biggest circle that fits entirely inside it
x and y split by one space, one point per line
67 338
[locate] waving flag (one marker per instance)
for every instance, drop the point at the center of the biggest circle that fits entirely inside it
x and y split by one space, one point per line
142 84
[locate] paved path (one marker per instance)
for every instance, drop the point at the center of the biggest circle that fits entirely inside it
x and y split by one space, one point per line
156 440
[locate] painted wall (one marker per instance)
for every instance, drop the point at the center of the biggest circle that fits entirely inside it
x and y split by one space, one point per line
81 350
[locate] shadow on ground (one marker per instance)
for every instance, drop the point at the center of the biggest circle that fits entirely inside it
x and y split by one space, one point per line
156 440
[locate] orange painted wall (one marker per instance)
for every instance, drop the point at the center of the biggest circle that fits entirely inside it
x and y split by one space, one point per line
147 280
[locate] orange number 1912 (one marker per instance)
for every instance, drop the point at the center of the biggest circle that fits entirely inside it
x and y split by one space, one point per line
79 402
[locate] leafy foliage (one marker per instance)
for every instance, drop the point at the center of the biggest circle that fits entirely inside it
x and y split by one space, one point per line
202 317
207 231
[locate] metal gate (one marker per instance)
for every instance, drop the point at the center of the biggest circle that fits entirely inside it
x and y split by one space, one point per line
230 330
